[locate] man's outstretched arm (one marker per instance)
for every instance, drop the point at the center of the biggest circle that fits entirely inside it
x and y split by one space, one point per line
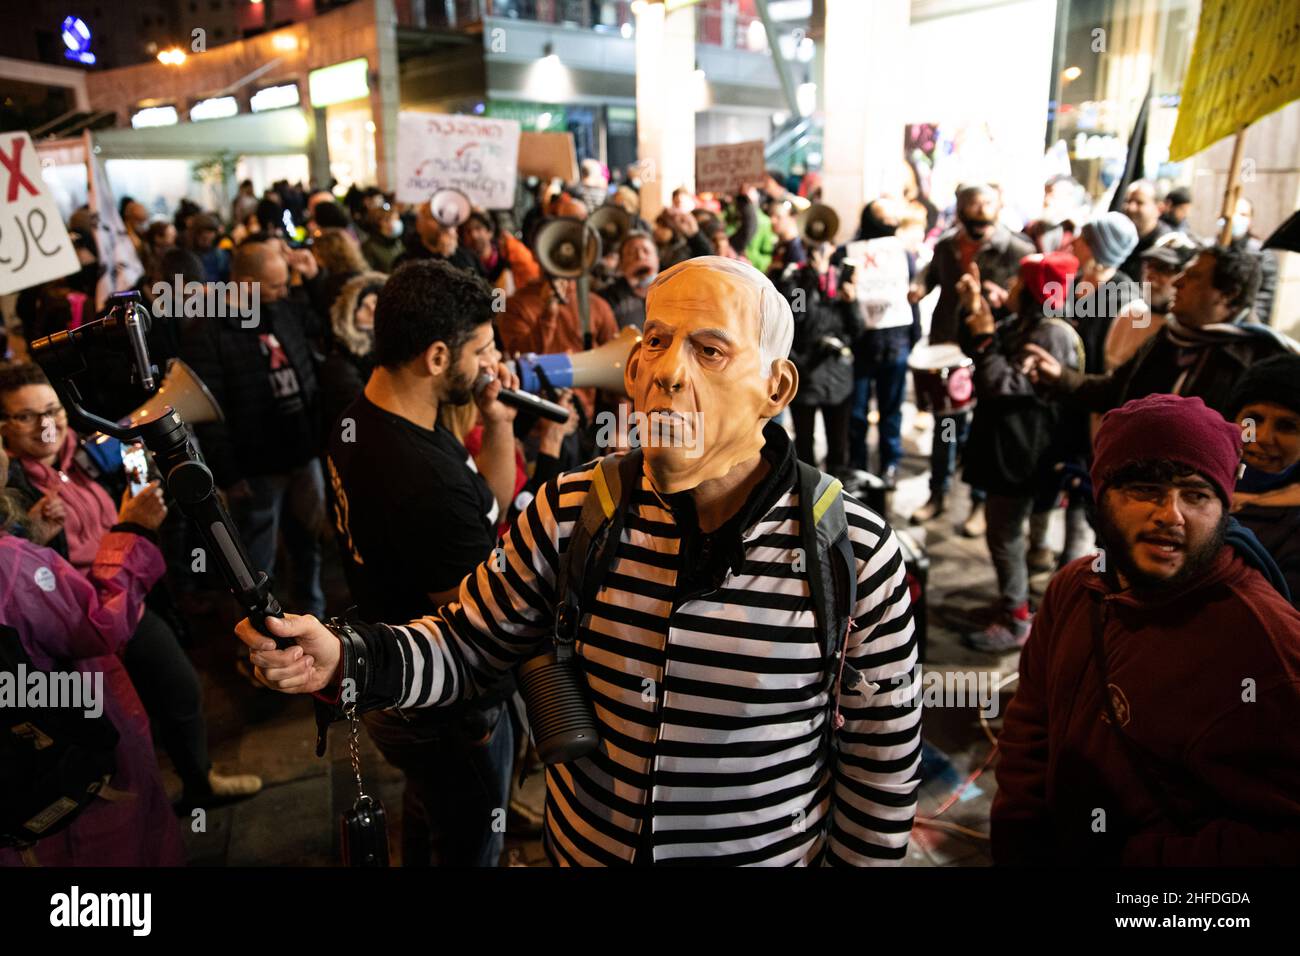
504 610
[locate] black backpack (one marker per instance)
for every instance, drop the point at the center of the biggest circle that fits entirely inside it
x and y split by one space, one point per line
53 760
824 538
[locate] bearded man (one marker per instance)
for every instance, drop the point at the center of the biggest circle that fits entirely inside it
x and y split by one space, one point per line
1152 725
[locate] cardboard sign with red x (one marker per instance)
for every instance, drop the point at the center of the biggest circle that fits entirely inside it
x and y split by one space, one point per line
34 245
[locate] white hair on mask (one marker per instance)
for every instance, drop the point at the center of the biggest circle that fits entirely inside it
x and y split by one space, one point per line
776 328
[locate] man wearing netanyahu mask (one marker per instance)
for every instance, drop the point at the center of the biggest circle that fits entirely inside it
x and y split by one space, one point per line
748 709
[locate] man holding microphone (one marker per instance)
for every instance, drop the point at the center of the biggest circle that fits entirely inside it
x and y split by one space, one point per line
413 513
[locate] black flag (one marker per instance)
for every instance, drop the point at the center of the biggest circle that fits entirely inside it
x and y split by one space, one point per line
1137 145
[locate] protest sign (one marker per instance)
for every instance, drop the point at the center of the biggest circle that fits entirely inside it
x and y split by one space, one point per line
34 245
474 154
722 169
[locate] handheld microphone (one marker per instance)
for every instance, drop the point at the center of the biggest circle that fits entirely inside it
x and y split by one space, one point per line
525 401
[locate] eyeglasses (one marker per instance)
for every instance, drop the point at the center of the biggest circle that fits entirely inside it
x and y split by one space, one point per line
28 419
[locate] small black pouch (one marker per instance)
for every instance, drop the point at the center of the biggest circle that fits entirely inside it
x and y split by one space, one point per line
363 830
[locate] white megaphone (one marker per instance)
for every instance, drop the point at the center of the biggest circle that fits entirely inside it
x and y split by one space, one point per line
599 368
183 391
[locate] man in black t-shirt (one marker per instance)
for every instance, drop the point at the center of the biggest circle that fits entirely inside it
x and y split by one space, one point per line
413 514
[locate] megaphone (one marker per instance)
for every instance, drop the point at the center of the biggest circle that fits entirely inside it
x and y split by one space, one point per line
566 248
613 224
599 368
450 207
183 391
819 223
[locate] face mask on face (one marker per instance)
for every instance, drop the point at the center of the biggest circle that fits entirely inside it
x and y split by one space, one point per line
398 228
643 282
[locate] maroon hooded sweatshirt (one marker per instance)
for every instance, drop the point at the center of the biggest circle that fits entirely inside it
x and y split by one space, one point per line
1206 685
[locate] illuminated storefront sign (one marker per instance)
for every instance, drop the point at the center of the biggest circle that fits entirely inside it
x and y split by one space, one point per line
76 37
339 83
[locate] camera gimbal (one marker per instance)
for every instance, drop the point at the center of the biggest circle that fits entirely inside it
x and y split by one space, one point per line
164 433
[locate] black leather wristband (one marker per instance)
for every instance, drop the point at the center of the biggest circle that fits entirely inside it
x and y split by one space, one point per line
357 671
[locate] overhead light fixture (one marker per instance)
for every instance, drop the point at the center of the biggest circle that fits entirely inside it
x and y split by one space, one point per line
274 98
284 41
1071 73
548 80
701 94
173 56
154 116
218 107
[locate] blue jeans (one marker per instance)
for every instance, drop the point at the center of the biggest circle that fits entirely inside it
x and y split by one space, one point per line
259 520
943 454
890 380
457 791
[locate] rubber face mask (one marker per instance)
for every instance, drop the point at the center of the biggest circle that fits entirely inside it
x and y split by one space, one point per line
700 395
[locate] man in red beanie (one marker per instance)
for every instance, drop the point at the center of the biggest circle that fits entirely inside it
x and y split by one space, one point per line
1016 436
1189 756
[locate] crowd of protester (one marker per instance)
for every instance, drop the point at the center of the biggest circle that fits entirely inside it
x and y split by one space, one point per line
329 437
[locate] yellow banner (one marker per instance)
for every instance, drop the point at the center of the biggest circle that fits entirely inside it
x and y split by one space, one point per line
1244 66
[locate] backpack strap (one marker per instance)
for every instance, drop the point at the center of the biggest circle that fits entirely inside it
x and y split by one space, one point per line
596 532
1076 340
832 577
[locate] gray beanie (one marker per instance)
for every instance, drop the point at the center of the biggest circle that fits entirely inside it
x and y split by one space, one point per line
1112 237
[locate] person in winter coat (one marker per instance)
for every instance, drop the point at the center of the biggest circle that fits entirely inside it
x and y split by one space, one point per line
1153 722
383 243
346 369
638 265
1204 347
67 619
51 478
1012 433
1266 405
535 320
506 262
980 238
891 327
826 325
340 260
264 455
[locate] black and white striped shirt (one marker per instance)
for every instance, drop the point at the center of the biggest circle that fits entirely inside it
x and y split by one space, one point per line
713 709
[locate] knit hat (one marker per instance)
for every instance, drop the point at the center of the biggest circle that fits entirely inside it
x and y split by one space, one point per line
1184 430
1047 277
1275 380
1112 237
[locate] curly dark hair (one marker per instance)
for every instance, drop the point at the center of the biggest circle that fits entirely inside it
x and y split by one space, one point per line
424 302
1236 274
